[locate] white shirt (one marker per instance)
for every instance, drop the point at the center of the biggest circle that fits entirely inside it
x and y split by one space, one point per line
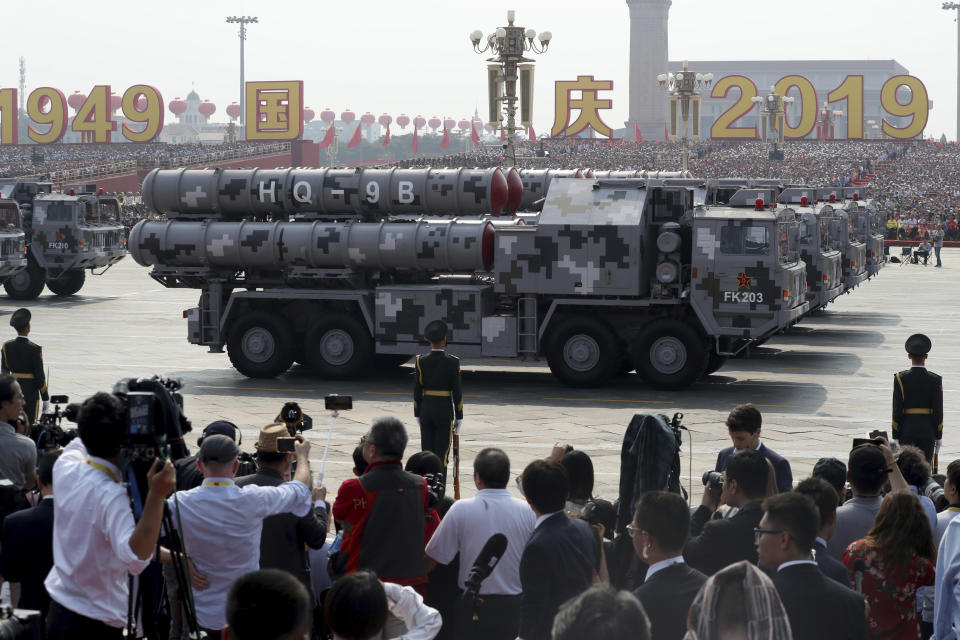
422 622
663 564
93 523
221 524
793 562
540 519
946 616
469 524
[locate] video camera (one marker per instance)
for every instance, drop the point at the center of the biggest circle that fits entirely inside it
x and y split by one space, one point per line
155 423
48 433
713 479
19 624
436 488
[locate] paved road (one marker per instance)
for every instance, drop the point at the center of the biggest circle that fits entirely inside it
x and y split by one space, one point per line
824 382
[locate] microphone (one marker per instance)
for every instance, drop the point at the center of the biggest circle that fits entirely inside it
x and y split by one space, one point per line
483 566
859 566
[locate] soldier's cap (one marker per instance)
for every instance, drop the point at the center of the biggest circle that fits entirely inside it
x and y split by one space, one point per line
267 442
20 318
435 331
220 427
918 345
218 448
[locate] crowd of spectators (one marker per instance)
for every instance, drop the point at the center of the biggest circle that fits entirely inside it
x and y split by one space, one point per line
850 552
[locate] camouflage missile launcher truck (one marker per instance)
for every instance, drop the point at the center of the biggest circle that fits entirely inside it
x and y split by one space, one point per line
613 276
842 228
66 234
13 248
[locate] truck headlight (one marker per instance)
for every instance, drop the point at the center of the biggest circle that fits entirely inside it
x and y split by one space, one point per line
668 242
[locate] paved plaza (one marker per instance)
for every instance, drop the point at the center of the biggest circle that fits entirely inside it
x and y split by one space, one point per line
825 381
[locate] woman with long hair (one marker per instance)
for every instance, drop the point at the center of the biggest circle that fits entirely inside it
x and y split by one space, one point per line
898 558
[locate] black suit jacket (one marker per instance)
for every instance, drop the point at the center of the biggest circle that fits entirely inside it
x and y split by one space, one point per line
780 464
830 566
26 553
818 607
666 597
715 544
285 537
556 565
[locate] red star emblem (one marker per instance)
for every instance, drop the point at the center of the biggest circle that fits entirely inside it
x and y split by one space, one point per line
743 280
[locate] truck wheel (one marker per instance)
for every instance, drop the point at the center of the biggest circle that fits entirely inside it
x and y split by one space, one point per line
68 283
669 354
260 345
26 284
339 346
582 352
714 363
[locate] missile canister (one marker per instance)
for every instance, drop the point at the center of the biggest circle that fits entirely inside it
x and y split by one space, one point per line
450 246
535 183
604 174
235 194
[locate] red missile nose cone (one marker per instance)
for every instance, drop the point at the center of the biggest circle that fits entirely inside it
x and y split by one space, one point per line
489 237
499 191
514 190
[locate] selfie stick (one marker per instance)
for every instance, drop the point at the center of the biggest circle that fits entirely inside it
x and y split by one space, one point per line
326 448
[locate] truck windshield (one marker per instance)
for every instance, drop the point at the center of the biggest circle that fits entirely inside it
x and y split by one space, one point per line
858 225
9 215
745 240
788 242
59 212
109 210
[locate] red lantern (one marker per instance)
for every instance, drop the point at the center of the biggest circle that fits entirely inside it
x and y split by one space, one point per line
328 115
434 123
177 107
419 121
141 103
43 103
233 110
308 114
368 118
207 108
76 100
348 116
115 102
449 123
403 120
463 124
385 120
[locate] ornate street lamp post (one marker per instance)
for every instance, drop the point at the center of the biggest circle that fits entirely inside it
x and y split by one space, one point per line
684 99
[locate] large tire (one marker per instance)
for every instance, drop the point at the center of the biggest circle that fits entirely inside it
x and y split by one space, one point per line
339 347
67 284
714 362
582 352
260 345
26 284
669 354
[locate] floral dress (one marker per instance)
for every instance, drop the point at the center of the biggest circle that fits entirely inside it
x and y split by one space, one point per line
891 596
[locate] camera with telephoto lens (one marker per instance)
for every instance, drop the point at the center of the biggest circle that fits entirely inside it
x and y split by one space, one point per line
713 479
19 624
294 418
436 487
48 433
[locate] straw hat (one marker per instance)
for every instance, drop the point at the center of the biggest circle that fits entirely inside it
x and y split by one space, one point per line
267 441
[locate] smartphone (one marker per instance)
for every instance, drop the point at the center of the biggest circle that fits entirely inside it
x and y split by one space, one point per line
59 399
286 445
335 402
879 434
859 441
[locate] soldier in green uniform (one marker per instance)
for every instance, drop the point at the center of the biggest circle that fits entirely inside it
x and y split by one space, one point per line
918 400
437 398
24 360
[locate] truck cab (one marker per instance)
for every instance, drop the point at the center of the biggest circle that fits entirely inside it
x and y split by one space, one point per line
13 251
818 248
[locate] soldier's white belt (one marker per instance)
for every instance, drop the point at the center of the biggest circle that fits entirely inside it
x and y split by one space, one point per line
28 376
431 392
909 412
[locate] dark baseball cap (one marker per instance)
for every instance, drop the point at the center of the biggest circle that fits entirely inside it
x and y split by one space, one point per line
219 427
868 459
218 448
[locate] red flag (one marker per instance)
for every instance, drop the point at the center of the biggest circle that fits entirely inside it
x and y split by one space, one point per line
328 137
446 138
474 135
533 136
386 138
355 138
637 136
666 134
414 139
503 134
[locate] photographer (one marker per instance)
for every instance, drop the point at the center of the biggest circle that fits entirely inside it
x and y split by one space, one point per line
18 453
221 523
96 543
